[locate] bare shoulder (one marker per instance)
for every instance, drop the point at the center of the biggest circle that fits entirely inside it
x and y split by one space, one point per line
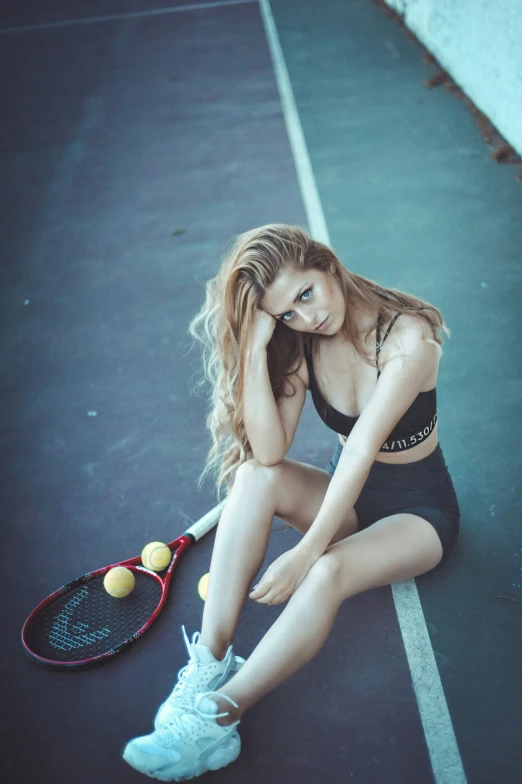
411 336
408 333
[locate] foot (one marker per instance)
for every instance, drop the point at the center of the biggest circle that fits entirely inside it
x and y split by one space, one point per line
203 673
189 745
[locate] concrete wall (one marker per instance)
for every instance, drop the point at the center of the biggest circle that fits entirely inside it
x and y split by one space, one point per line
479 43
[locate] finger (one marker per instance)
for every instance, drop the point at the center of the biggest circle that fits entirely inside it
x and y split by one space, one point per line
279 596
260 590
264 594
273 596
266 599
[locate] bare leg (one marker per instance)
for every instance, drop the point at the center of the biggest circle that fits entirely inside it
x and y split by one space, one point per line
393 549
239 549
293 640
294 492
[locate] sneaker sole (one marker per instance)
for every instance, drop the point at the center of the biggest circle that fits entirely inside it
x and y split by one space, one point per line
213 760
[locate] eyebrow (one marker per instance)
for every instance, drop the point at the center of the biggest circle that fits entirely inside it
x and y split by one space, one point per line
294 300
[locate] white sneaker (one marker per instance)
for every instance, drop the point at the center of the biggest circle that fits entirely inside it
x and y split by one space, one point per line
191 744
202 673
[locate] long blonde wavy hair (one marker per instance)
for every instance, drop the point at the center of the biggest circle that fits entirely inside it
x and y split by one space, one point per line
224 323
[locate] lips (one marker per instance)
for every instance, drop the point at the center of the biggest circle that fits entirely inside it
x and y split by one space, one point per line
322 324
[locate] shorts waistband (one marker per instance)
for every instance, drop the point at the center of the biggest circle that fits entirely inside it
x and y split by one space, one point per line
434 458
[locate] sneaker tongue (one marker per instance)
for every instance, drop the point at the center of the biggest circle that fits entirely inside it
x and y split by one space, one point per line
204 654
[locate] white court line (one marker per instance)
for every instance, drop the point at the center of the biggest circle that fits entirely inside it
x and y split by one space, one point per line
434 713
129 15
305 175
433 708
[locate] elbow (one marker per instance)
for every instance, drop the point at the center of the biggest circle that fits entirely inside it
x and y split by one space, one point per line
268 460
273 452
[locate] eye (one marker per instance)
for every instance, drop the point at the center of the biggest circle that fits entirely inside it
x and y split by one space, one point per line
306 291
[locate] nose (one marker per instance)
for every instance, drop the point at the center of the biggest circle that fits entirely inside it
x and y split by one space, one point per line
308 318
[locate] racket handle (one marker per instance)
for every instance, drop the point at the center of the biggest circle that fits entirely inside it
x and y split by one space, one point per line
207 522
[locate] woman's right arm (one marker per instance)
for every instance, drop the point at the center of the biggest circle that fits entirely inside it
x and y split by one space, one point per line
270 426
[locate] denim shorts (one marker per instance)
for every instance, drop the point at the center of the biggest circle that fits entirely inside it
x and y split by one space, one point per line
423 488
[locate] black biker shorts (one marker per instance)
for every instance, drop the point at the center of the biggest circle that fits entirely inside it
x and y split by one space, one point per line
423 488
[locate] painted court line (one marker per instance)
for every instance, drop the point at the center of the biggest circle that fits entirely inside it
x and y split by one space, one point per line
115 17
433 709
436 720
305 175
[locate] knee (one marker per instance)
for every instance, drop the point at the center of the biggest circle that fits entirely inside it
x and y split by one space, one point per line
254 472
325 573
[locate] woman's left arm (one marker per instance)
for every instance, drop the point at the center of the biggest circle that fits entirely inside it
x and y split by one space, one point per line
400 382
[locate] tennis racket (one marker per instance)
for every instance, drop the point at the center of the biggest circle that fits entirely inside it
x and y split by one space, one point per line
81 625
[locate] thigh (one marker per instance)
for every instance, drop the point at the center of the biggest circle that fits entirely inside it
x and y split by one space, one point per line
445 522
391 550
300 491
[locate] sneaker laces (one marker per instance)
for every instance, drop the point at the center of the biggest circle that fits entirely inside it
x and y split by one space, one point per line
191 718
187 670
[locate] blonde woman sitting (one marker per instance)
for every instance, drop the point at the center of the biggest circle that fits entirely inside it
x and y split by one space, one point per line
283 315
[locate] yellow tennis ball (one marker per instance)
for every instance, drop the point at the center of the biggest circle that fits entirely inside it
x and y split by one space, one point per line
203 586
156 556
119 582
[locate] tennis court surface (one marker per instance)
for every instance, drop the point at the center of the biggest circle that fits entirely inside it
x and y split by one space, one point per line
138 138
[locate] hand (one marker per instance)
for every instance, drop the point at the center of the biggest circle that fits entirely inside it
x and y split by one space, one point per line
283 576
263 327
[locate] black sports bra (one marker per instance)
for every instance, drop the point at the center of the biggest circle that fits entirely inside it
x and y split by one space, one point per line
414 426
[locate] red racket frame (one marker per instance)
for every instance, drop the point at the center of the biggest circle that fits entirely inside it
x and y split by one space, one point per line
178 547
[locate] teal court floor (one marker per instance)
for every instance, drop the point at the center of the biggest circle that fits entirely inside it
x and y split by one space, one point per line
137 139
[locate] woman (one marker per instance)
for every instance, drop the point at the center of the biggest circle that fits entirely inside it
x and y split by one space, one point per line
282 316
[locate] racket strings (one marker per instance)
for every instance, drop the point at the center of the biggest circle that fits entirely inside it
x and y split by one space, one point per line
87 622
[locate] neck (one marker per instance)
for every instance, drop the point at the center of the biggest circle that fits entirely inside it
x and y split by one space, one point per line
361 320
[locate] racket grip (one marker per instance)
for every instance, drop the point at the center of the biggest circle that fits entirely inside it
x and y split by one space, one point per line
207 522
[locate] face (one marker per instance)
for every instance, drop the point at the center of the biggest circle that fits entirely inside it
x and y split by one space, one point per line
317 296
